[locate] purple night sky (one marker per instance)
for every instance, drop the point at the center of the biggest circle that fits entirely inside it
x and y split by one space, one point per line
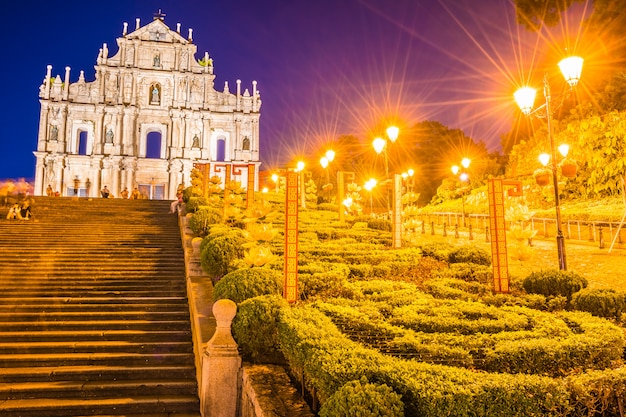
324 68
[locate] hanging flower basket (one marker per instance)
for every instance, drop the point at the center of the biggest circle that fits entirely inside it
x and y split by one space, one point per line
569 168
542 176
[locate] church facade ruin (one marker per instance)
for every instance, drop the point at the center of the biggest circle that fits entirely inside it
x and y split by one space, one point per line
150 115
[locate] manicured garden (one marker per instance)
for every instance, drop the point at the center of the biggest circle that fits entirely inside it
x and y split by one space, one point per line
415 331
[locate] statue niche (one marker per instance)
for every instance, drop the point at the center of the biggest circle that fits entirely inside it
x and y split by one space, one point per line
155 93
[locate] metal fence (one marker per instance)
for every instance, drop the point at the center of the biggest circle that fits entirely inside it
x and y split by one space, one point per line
601 232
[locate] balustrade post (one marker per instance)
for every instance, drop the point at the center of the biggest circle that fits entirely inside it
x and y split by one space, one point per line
221 364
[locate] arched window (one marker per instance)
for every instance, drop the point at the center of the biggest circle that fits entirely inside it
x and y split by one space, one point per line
245 146
221 150
153 145
82 142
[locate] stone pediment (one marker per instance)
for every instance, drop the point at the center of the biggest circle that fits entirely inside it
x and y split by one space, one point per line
157 31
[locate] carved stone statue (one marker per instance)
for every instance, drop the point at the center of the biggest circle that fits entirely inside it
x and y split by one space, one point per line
155 97
108 138
54 132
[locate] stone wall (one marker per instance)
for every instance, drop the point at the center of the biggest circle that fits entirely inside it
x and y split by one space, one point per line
266 391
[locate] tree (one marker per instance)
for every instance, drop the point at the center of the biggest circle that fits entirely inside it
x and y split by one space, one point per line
434 148
605 24
533 13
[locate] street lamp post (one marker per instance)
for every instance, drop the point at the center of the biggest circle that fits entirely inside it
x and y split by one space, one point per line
571 68
369 186
380 145
463 177
300 171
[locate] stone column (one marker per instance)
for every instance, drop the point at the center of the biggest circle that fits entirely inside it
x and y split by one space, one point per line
221 364
42 137
38 188
206 136
97 145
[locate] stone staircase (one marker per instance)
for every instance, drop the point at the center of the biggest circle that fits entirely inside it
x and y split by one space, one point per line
94 318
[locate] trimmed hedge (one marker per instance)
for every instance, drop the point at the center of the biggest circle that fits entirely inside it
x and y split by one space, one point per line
255 328
218 253
246 283
469 334
360 398
552 283
203 218
469 254
600 302
328 360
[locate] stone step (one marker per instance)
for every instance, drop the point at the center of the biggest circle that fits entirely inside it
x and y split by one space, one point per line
96 373
78 292
94 318
72 305
96 300
99 315
122 335
93 346
60 359
146 325
61 389
169 406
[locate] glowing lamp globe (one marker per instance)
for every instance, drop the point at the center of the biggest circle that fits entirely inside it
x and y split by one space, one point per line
525 98
379 144
544 158
393 132
571 68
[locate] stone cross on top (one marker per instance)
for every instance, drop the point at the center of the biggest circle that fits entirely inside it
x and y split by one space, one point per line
159 15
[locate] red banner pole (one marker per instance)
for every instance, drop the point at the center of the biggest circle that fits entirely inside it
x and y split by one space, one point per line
291 238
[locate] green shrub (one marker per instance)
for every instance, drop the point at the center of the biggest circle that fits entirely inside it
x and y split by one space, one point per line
600 302
254 328
456 289
601 391
439 251
194 202
360 271
360 398
322 279
247 283
470 254
218 254
379 224
382 270
553 283
470 272
325 233
316 349
328 207
204 217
